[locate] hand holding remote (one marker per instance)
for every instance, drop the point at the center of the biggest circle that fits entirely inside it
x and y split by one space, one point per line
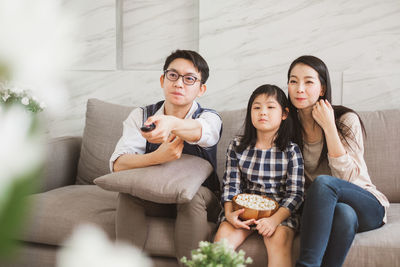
160 131
148 128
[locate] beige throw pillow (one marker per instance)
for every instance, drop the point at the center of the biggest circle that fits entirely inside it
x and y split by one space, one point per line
172 182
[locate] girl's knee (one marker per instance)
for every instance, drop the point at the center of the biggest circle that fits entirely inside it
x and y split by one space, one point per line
234 236
283 237
223 231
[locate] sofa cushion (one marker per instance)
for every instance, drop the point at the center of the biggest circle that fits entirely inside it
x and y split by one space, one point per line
57 212
172 182
103 128
382 151
379 247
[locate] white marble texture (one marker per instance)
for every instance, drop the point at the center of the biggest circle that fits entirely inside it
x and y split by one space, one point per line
97 33
246 43
270 34
153 29
130 88
363 90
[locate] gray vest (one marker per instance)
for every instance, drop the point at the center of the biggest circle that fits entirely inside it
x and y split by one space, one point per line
209 153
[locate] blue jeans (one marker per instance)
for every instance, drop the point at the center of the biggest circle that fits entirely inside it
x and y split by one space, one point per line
334 211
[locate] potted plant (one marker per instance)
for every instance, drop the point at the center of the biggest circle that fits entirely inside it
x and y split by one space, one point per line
219 254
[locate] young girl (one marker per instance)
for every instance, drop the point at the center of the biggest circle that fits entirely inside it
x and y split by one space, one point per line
341 199
264 161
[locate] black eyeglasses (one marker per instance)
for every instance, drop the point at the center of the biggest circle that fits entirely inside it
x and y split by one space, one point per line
174 76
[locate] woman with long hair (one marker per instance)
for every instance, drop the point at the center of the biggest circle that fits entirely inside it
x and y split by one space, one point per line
341 199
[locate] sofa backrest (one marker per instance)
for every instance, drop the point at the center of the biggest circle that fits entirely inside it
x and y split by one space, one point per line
103 129
232 126
382 150
382 146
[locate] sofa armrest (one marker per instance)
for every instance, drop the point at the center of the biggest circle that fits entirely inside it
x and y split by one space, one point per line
61 163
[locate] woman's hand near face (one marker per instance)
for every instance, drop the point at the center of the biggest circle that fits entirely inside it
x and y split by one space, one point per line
324 115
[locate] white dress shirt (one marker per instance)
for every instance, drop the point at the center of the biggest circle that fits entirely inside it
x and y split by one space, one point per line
132 141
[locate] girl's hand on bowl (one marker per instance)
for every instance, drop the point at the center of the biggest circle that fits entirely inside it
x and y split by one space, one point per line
233 218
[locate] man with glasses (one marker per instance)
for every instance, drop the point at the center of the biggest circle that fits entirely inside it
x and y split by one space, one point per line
181 126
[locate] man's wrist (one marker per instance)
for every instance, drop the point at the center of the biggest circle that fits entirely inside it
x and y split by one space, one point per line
154 158
175 123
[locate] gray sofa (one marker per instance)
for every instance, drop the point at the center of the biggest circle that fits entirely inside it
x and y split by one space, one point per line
69 196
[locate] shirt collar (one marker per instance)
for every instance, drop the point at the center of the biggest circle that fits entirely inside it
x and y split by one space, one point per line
192 109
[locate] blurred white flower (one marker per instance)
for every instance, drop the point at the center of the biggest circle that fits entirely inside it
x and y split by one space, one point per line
89 246
42 105
216 254
14 88
5 96
198 257
203 244
20 151
38 46
25 101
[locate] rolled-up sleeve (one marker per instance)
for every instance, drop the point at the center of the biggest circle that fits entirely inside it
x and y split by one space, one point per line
210 129
295 180
231 179
131 141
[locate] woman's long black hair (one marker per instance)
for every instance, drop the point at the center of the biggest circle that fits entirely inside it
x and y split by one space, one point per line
344 131
284 133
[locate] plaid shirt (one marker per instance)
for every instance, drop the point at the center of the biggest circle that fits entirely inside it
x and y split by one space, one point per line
274 173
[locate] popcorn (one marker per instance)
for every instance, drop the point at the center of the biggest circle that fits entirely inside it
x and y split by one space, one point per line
256 202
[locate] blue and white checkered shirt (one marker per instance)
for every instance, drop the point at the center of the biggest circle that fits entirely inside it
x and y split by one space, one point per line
274 173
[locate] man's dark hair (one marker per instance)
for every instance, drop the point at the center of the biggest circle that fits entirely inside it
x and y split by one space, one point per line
198 61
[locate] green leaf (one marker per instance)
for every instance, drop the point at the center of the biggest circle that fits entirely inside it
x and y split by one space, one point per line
15 210
216 254
15 99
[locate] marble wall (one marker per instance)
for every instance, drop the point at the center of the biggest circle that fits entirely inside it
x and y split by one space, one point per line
246 43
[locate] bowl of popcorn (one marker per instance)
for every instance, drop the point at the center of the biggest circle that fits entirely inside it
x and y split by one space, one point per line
255 206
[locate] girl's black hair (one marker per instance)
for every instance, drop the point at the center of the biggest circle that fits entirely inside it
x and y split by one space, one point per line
284 133
345 132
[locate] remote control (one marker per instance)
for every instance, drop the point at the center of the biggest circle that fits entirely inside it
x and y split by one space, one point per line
149 128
